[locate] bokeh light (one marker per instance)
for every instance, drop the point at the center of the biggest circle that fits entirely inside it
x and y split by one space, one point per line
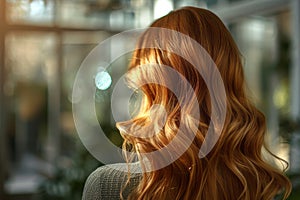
103 80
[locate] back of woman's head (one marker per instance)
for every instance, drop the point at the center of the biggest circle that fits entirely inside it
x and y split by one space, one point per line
234 168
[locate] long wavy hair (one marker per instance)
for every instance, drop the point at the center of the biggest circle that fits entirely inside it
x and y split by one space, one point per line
236 167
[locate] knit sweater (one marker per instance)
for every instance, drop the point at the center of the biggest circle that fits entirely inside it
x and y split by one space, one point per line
107 181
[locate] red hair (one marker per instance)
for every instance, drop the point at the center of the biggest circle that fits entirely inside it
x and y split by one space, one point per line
235 168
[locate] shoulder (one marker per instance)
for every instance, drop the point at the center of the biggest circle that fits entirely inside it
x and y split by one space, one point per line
107 181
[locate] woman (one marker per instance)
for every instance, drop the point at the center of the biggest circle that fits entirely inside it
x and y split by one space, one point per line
234 167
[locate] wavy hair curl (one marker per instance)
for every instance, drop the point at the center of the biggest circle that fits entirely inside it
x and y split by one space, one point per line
236 167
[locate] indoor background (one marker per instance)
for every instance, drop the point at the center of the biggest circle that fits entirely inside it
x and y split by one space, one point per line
43 43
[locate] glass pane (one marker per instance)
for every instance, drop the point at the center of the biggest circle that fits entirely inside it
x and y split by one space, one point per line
114 15
31 64
76 46
30 11
82 14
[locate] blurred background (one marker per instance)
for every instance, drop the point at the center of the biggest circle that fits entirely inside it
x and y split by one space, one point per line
43 43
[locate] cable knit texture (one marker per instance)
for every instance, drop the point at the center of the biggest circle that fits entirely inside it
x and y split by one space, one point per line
106 182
